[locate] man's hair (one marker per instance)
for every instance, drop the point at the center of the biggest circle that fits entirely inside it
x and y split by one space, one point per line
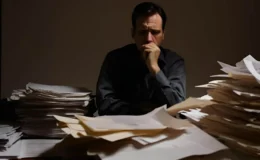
148 9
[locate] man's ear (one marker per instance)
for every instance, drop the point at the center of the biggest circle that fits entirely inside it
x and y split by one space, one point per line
163 34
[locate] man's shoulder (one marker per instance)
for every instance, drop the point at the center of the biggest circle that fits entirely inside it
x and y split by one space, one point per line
121 51
171 55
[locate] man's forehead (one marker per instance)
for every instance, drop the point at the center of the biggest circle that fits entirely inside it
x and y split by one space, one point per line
150 25
153 21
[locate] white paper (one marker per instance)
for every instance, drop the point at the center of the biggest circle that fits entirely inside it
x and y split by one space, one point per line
13 138
252 110
139 140
125 123
43 102
241 64
12 152
194 142
144 122
246 94
221 75
229 70
158 119
247 67
205 97
254 69
154 139
232 68
194 114
36 147
8 135
241 67
56 88
163 135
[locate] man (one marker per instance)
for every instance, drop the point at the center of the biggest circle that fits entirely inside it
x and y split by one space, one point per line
139 77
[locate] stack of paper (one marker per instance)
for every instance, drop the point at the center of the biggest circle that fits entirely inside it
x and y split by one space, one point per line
31 148
38 103
155 135
9 134
234 115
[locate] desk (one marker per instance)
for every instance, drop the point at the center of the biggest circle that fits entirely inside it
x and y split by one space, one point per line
68 154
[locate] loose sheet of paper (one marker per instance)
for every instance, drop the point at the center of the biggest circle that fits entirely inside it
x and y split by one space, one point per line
36 147
158 119
12 152
189 103
194 142
254 68
114 128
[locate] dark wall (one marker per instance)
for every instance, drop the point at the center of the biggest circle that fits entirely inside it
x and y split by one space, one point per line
64 41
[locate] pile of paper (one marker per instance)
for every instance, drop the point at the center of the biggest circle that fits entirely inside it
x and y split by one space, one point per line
37 104
9 134
234 115
156 135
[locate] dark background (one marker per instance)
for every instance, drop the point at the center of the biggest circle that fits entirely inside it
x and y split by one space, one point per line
64 42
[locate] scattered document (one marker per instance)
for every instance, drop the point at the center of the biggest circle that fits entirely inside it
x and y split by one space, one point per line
155 134
37 147
9 134
12 152
193 142
189 103
114 128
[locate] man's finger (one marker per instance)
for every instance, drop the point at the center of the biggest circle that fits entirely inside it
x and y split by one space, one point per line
149 46
148 50
146 53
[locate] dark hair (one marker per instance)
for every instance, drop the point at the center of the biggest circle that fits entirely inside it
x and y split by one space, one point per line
147 9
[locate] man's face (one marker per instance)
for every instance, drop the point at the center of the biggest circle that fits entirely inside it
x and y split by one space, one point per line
148 29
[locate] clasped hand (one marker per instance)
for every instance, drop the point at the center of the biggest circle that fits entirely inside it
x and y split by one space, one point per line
151 53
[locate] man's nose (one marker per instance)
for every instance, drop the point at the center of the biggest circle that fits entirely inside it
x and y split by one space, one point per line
149 37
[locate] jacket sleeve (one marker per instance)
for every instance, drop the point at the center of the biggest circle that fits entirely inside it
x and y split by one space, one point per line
173 86
107 99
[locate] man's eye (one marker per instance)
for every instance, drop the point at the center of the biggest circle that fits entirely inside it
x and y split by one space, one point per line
155 32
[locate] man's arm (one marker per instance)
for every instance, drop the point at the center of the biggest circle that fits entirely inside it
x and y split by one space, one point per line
107 99
173 86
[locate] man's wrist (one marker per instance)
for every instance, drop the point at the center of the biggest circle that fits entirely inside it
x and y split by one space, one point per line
154 69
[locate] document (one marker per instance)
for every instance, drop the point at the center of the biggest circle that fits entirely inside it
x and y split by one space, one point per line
234 126
228 96
233 68
12 152
8 135
248 67
41 101
193 142
79 91
254 69
234 118
36 147
189 103
114 128
151 121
